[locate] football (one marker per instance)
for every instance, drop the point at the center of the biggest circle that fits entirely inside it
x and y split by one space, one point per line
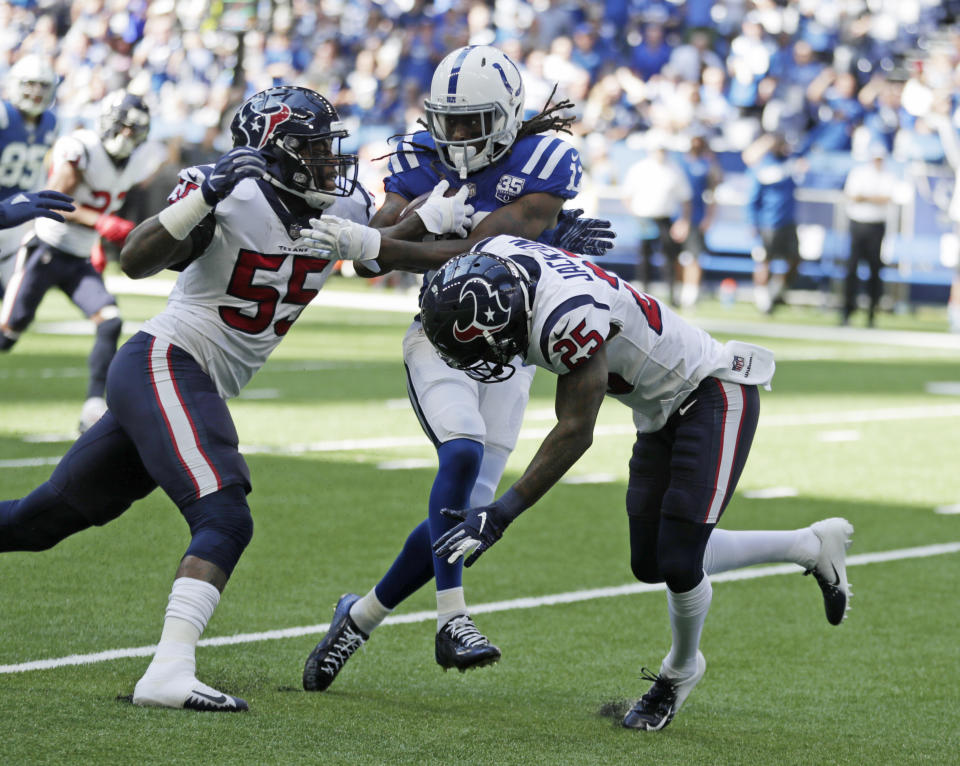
418 202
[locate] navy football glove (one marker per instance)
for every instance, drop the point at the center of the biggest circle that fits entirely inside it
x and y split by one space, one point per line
24 206
239 163
585 236
479 528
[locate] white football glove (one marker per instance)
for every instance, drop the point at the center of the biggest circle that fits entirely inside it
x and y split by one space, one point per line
332 237
447 215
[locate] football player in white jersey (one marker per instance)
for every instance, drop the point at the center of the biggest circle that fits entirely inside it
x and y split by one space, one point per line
232 230
516 177
97 168
695 406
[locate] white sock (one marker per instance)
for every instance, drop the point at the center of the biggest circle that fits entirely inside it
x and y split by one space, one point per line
450 604
491 470
367 612
688 612
189 608
729 549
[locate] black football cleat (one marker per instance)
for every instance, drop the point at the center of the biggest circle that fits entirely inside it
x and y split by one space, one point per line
655 709
460 645
830 569
331 654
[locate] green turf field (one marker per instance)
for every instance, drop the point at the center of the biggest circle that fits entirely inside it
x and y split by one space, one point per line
341 473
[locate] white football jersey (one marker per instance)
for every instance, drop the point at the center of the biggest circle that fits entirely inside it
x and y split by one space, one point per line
232 305
102 187
655 358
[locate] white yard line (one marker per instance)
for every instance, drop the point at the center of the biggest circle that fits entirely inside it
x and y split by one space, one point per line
570 597
395 442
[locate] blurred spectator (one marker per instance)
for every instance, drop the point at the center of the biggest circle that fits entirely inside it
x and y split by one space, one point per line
703 174
657 192
650 56
771 211
869 191
838 111
689 60
951 145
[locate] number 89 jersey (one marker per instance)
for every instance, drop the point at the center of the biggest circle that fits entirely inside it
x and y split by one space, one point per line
655 359
235 301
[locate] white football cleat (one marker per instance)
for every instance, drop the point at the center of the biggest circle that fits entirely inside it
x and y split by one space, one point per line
93 409
186 692
830 569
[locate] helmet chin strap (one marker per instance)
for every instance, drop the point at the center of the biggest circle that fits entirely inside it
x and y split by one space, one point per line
315 199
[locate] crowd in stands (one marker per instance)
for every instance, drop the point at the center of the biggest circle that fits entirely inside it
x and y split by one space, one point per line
827 75
820 71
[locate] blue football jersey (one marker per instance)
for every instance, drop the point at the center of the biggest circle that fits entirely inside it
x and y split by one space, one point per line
540 163
22 149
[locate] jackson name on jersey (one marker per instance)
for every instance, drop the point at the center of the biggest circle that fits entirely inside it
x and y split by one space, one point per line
655 358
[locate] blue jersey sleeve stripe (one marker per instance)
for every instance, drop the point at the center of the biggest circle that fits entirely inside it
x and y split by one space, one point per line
564 308
537 154
554 160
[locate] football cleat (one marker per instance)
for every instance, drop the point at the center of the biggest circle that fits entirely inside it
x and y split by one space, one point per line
830 569
460 645
185 692
655 709
331 654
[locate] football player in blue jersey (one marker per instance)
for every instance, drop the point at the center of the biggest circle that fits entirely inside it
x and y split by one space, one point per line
27 128
516 176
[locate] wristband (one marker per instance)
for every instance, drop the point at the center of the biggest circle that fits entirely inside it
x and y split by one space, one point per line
511 504
180 217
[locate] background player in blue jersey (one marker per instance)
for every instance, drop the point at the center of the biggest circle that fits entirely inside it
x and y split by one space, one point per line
517 179
27 128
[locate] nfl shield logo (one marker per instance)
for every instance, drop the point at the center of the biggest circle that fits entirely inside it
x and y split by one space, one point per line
738 362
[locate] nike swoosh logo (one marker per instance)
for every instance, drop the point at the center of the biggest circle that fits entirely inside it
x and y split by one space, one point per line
683 410
836 577
483 520
216 700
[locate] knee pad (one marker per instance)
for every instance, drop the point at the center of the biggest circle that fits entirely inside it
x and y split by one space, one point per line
220 526
38 521
643 549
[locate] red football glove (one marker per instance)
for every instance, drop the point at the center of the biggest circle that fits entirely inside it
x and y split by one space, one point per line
98 258
114 228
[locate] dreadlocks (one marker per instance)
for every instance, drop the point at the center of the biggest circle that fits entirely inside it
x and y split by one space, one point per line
547 119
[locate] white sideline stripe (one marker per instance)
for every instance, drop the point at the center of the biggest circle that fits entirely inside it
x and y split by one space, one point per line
391 442
531 602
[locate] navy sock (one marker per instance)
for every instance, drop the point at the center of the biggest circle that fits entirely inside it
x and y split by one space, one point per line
410 571
459 466
104 349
